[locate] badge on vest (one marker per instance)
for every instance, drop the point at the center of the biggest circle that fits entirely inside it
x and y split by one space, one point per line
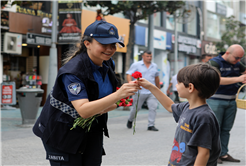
74 88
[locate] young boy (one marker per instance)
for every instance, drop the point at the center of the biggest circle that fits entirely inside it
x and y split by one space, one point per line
196 140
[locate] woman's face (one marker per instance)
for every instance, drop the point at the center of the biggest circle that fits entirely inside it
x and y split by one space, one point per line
99 52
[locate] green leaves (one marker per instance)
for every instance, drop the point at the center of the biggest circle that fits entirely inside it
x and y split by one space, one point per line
29 3
234 34
84 123
137 10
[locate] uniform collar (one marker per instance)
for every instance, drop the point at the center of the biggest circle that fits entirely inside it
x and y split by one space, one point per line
95 67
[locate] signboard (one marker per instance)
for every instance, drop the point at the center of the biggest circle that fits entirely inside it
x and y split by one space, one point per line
36 39
47 25
209 48
188 44
8 93
122 25
159 39
33 12
221 9
69 22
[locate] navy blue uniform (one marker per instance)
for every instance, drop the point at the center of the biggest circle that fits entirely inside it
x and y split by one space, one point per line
77 79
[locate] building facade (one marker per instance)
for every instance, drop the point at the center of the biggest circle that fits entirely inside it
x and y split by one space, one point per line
26 37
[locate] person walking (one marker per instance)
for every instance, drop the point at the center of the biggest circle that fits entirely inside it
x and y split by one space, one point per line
223 101
85 87
173 84
196 141
205 58
150 72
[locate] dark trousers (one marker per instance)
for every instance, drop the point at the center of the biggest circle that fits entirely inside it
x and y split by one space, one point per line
92 155
176 99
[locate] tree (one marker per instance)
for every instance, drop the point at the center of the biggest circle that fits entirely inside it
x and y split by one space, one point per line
136 10
234 34
5 3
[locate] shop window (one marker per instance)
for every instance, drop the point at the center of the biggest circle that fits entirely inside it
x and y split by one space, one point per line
13 68
192 25
216 26
224 2
213 30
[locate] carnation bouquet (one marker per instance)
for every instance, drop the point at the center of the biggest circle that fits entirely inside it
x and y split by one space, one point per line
86 123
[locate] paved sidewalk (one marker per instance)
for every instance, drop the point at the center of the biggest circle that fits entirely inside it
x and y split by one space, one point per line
21 147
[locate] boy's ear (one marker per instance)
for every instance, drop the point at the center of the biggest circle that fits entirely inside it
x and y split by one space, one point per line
191 88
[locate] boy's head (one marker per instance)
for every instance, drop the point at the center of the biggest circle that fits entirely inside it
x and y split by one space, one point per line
205 78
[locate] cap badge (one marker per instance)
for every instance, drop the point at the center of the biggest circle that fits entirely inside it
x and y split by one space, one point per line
111 31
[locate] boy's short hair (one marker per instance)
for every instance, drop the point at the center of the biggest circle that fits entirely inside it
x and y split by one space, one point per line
205 78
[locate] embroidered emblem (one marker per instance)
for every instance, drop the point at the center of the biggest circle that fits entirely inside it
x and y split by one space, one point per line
111 31
57 157
74 88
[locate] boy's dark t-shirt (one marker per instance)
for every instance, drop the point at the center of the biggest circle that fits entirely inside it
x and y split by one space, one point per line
196 127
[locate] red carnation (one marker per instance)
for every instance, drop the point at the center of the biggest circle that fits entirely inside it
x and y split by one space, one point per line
125 102
137 75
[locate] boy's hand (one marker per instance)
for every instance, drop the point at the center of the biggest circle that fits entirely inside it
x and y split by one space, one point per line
128 89
144 83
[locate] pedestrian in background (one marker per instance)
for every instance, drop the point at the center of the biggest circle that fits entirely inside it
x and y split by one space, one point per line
223 101
196 141
85 86
173 84
150 72
205 58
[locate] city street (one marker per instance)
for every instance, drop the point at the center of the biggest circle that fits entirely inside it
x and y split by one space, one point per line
21 147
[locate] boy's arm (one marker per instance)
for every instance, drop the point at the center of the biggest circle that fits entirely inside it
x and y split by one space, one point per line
202 156
162 98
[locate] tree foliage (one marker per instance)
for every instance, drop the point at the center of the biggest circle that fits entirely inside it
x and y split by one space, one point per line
137 10
234 34
20 3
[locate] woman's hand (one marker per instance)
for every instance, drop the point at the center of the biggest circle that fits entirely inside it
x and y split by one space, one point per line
128 89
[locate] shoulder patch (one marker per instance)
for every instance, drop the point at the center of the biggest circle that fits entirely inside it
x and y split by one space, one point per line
74 88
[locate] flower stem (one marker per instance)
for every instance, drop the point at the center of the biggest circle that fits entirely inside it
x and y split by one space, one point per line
135 115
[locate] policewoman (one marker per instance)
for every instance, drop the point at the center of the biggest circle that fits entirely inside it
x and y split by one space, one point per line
85 86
